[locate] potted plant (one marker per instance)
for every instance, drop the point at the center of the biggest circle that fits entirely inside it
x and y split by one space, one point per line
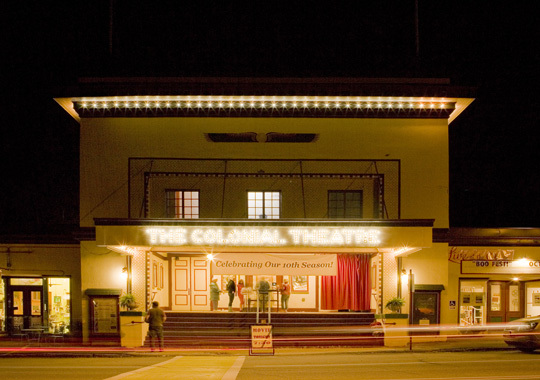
395 304
128 302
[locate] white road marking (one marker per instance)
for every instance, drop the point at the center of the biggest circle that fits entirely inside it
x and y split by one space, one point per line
126 374
232 372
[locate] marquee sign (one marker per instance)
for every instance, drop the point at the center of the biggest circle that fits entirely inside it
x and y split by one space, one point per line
229 237
274 237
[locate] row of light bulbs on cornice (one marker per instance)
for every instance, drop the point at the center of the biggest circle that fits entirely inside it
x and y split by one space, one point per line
192 104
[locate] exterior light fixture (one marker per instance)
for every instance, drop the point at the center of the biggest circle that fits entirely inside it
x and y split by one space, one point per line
404 277
124 273
261 106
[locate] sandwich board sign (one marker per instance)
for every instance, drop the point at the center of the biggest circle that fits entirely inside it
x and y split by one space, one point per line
261 340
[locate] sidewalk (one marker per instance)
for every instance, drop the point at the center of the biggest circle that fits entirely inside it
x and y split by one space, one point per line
17 348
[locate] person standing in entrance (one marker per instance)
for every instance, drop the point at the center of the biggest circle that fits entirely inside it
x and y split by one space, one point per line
239 289
285 294
231 289
214 295
155 318
263 287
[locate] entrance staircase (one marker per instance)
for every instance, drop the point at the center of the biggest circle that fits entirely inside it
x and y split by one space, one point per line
223 329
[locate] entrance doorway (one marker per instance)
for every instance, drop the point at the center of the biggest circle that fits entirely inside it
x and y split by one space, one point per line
190 277
505 301
26 309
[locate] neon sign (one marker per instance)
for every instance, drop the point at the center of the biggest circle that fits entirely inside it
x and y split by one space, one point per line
270 237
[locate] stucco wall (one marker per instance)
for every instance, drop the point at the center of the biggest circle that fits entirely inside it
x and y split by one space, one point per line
430 266
101 268
421 145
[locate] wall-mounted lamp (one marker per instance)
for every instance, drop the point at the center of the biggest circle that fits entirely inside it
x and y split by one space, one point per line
124 273
516 279
404 277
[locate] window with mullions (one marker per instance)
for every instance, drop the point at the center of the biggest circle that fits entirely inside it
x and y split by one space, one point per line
182 204
264 204
345 204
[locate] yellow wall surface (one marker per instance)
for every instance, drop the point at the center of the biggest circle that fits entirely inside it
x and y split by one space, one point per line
101 268
421 145
430 267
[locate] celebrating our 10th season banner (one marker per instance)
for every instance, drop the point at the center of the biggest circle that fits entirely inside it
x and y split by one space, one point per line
272 264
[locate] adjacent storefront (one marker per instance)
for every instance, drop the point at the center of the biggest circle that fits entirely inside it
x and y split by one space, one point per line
36 303
497 285
40 287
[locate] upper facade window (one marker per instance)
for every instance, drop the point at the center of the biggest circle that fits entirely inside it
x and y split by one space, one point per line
264 204
344 204
182 204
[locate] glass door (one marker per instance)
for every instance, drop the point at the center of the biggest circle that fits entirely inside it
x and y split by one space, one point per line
505 301
26 307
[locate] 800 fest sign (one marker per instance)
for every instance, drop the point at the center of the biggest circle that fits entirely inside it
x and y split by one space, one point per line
521 266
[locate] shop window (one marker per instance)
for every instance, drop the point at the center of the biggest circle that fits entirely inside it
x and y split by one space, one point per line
26 281
18 303
495 297
533 298
513 298
182 204
36 303
472 303
343 204
59 300
264 204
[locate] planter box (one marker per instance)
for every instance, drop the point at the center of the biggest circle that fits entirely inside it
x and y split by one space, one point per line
395 329
392 316
133 328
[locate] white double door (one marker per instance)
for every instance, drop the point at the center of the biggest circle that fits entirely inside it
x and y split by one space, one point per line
190 283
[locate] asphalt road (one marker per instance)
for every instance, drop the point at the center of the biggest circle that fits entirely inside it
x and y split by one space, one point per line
507 365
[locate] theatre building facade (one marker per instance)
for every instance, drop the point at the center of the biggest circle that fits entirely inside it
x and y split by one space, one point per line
337 186
330 184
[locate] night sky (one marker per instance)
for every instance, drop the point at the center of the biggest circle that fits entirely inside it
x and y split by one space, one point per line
489 45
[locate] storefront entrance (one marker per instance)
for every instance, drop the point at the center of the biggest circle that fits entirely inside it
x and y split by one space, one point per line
190 281
485 301
43 303
26 307
505 301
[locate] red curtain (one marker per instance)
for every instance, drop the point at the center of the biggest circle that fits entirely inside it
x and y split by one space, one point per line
351 288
